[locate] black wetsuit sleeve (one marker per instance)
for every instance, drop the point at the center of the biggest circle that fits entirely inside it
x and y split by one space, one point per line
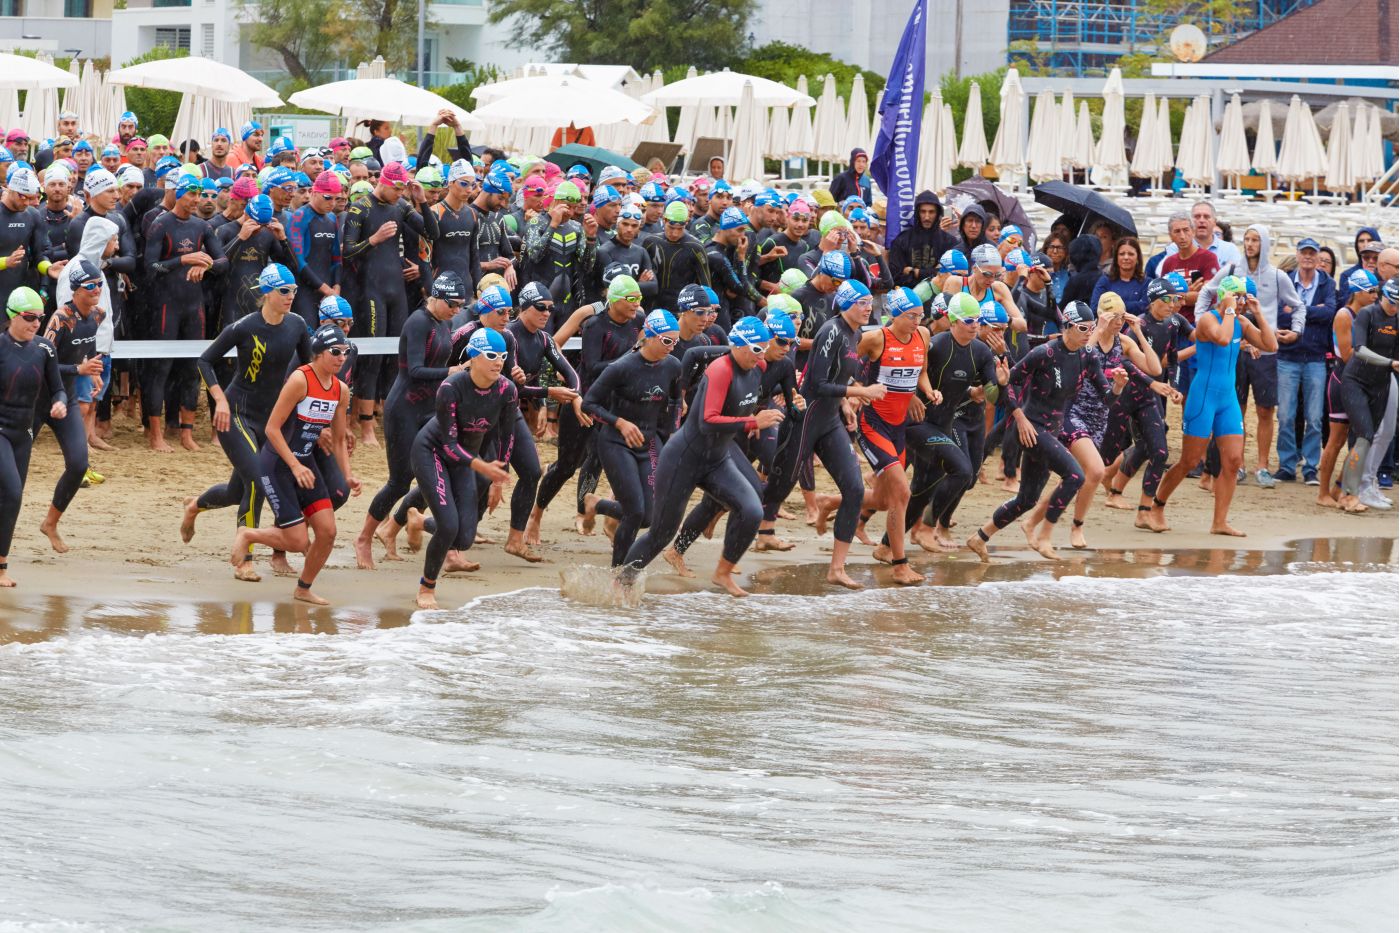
446 415
600 392
415 338
357 232
562 367
304 348
505 423
228 339
53 379
215 249
824 364
1021 375
590 359
127 257
155 266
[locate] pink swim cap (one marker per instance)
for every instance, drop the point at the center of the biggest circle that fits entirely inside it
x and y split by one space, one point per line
394 173
552 171
327 183
535 183
244 188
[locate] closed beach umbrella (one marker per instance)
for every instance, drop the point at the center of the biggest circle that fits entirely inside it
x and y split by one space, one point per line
1008 154
1110 157
1341 172
828 123
1083 138
800 138
746 154
948 151
1300 156
1043 149
1195 156
935 170
1367 148
1067 119
973 152
1164 126
1144 163
1233 157
779 133
1265 153
858 118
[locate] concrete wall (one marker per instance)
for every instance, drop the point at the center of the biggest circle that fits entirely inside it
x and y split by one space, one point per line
57 34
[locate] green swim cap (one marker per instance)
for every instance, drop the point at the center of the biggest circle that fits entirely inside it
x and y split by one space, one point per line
360 187
360 153
624 286
831 219
568 192
924 290
676 212
963 307
791 280
429 177
1231 285
24 299
189 168
156 139
786 304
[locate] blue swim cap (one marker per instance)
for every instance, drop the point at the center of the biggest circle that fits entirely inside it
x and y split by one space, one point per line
860 214
260 209
653 193
604 195
280 176
1251 287
1390 291
679 194
660 322
781 326
1009 231
111 150
335 308
1017 257
767 198
1363 280
953 261
223 183
187 183
710 295
280 145
485 340
721 187
901 300
850 293
493 300
220 131
274 276
303 180
835 264
1182 285
578 170
749 332
733 219
496 183
993 313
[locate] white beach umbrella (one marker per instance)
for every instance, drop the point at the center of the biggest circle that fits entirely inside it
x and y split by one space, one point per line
973 152
725 87
1164 126
24 73
1083 138
746 153
937 148
40 103
1067 129
857 118
778 139
200 76
685 125
9 108
1144 162
113 103
947 151
800 137
1266 154
392 100
72 97
1233 157
828 123
570 100
1043 149
1008 154
1110 157
1301 155
1198 162
1341 171
1367 146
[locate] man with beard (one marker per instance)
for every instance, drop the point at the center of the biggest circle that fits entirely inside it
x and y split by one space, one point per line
914 254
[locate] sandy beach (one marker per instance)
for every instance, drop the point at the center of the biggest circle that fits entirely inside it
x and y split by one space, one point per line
124 536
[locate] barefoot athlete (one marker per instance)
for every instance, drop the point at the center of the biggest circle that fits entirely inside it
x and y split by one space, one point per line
72 332
425 352
1212 408
471 404
27 367
266 343
292 466
1364 289
1043 384
699 456
1366 384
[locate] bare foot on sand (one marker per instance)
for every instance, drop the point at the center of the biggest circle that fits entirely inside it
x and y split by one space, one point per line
1040 541
725 581
280 567
883 554
364 554
837 576
1115 500
50 531
772 543
187 520
677 561
304 595
426 598
905 575
456 563
1226 530
388 535
976 545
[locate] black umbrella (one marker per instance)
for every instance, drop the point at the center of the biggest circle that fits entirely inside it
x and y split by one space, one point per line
1084 203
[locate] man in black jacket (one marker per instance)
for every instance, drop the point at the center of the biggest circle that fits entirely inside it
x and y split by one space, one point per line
914 254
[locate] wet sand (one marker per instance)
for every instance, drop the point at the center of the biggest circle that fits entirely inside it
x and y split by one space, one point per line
125 545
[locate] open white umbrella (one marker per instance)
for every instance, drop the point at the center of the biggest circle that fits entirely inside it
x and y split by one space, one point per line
485 93
9 108
1043 149
1233 157
1341 172
1265 160
195 75
1083 138
1110 158
801 140
746 153
858 117
387 99
569 100
828 123
1067 129
1008 155
725 87
24 73
973 152
1144 164
41 103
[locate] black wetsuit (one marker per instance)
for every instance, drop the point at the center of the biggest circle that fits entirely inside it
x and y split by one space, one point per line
563 257
466 417
728 272
21 228
74 340
1365 385
533 352
676 265
492 238
947 449
26 370
455 247
634 389
425 352
314 241
1138 418
1043 384
176 305
703 454
246 261
773 271
634 261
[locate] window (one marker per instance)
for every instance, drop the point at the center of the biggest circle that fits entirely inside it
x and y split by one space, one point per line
206 40
173 37
78 8
10 8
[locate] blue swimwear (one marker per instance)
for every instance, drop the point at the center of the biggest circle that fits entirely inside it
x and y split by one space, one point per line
1213 409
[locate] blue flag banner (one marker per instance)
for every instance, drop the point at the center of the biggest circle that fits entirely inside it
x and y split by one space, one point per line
896 156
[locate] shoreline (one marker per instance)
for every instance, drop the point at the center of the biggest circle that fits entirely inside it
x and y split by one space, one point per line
124 539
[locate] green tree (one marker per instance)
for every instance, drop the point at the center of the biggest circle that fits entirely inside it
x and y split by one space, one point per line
1215 17
307 35
649 34
387 28
784 63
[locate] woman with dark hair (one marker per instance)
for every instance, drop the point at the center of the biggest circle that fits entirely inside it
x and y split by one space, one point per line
972 227
1124 277
1364 237
379 130
1327 261
1057 248
1084 252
